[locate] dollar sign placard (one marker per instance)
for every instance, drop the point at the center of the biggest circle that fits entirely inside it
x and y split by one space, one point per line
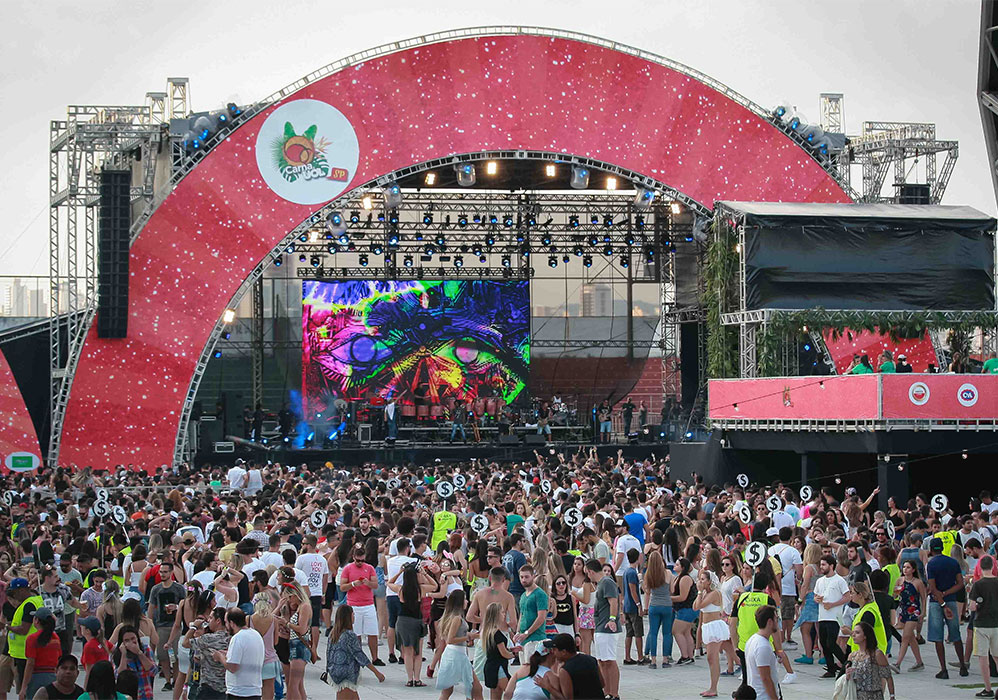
445 489
394 483
939 502
755 553
572 517
742 480
102 509
8 498
479 523
318 519
774 503
546 486
103 494
889 527
460 480
119 515
806 492
744 513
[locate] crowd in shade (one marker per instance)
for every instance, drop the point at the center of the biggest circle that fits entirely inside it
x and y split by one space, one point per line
524 580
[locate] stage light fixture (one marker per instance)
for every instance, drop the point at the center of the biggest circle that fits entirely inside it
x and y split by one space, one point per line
332 248
550 170
440 239
578 251
525 252
490 240
573 221
493 219
377 249
367 203
629 239
393 239
625 262
458 261
491 168
313 236
344 238
228 316
607 238
393 195
608 251
565 258
205 126
506 261
290 248
428 250
477 218
649 254
608 220
355 217
381 217
335 223
234 111
676 208
465 174
407 261
431 178
594 220
315 261
462 220
580 177
226 335
482 259
552 261
546 239
362 260
428 218
593 241
393 217
611 183
507 221
587 261
277 261
643 199
531 221
218 353
302 257
639 222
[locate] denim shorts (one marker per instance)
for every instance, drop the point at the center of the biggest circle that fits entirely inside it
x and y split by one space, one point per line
299 651
686 614
938 622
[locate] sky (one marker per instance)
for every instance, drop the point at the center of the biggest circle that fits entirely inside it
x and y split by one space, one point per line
894 61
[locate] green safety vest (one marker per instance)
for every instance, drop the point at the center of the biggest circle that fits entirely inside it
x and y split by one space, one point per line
949 539
895 573
444 523
120 580
16 642
748 603
878 626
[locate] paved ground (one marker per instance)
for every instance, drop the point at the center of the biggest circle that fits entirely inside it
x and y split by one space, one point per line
687 682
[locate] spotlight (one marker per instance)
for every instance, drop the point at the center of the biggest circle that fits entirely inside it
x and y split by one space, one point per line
573 221
565 258
594 220
550 170
377 249
278 262
608 220
302 257
367 203
477 218
428 250
507 221
490 240
233 110
355 217
578 251
525 252
290 248
629 240
587 261
462 220
580 178
546 239
431 178
608 251
639 222
228 316
407 261
493 219
315 261
611 183
393 195
332 248
531 221
218 353
363 260
465 174
593 241
335 223
441 240
393 240
625 262
482 259
393 216
643 199
491 168
552 261
458 261
505 261
344 239
676 208
649 254
428 218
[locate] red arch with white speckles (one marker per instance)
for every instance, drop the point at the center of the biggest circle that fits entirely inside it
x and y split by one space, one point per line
530 92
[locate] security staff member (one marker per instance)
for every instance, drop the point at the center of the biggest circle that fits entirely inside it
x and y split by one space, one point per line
741 618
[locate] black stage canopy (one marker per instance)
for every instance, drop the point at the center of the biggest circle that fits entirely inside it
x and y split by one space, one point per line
867 256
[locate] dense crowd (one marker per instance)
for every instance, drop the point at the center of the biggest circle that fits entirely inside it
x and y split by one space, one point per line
518 580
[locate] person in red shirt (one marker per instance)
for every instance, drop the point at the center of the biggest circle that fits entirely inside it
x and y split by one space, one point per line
94 648
42 650
358 580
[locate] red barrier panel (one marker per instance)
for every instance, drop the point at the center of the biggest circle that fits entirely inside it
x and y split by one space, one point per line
795 398
17 432
940 396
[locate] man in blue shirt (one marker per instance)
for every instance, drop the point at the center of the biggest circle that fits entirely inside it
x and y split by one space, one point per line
945 580
636 522
634 627
513 561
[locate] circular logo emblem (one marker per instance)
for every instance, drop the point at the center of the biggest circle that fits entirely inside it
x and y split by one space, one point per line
967 395
918 393
307 151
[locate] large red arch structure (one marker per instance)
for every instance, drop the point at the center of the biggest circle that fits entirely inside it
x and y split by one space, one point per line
489 90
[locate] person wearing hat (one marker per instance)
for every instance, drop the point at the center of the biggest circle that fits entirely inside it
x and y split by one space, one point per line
25 601
902 366
579 676
625 542
64 686
94 647
358 580
945 579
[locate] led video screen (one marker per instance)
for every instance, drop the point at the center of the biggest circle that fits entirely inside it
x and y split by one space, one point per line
413 341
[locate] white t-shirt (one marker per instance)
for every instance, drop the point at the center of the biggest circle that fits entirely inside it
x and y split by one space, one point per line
251 566
255 482
788 556
300 577
395 565
235 477
758 653
624 544
272 559
782 518
245 649
989 507
830 588
315 567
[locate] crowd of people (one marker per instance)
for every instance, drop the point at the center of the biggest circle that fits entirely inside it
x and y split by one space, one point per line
516 580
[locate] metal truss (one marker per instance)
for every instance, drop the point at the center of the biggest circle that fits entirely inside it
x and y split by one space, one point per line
987 84
256 329
852 426
837 316
420 272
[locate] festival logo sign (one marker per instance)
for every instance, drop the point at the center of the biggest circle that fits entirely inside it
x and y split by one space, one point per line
22 462
307 151
967 395
918 393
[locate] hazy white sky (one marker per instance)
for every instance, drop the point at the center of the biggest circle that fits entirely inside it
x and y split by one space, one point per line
898 61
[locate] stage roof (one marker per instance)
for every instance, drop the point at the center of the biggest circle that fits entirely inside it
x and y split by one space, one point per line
892 211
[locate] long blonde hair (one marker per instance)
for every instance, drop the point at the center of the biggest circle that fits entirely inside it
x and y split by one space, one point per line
812 554
288 583
655 575
453 611
490 625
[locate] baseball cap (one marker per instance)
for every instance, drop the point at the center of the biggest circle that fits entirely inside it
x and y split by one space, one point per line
43 613
850 491
188 537
17 583
902 356
562 642
935 545
91 623
772 532
621 523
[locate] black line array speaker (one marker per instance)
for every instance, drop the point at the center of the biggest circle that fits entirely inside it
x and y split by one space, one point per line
114 227
689 362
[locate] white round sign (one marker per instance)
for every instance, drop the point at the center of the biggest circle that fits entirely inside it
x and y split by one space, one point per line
967 395
8 498
889 527
742 480
394 483
22 462
307 151
102 509
572 517
774 503
939 502
479 523
546 486
755 553
445 489
318 519
103 494
806 492
119 514
744 513
919 394
692 503
460 480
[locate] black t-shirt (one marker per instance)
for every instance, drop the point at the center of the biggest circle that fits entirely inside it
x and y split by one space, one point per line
584 672
56 694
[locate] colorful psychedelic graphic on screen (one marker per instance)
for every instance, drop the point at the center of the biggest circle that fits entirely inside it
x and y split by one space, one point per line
414 341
